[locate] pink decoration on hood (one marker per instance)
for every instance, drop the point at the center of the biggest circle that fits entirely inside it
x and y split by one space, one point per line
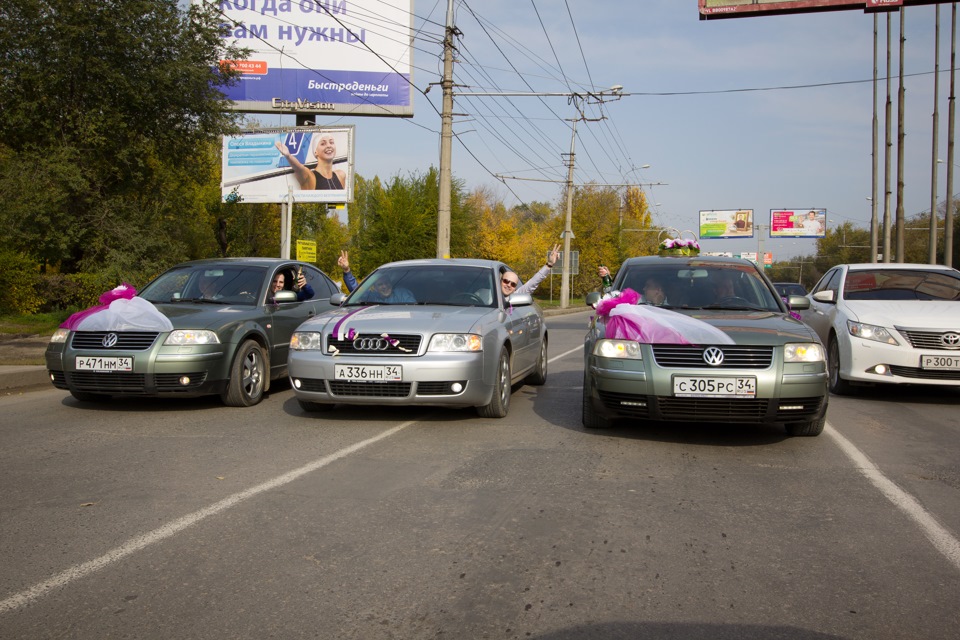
627 296
123 292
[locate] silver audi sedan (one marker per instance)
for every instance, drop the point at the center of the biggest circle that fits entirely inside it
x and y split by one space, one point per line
422 332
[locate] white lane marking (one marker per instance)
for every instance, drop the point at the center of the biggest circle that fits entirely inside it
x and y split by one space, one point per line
939 536
76 572
562 355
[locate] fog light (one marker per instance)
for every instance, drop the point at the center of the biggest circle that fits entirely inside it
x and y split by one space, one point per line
881 369
456 387
791 407
296 382
184 380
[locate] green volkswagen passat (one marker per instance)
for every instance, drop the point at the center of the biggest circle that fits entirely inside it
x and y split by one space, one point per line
707 340
230 336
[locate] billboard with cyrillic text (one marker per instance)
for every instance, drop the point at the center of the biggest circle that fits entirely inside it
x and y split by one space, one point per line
710 9
326 57
798 223
727 223
275 165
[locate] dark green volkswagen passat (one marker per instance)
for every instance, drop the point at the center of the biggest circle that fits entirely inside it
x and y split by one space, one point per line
231 335
720 346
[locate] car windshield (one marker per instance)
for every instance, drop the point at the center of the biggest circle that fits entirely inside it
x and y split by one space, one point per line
900 284
454 285
207 284
700 285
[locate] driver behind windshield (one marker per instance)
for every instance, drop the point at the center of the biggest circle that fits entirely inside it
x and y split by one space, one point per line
723 286
382 291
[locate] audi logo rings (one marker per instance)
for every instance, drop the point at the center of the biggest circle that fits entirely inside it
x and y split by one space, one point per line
371 344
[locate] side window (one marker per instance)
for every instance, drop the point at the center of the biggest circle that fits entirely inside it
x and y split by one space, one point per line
825 280
322 285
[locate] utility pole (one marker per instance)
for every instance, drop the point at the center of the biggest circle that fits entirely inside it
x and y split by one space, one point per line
888 120
932 255
948 219
446 139
873 154
901 241
567 230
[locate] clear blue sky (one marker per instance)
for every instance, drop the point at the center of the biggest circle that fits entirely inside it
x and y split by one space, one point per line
706 107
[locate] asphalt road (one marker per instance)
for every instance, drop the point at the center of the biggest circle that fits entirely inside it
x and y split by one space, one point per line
162 519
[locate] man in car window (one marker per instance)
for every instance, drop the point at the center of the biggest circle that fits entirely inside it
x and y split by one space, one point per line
510 281
383 291
303 290
723 286
653 292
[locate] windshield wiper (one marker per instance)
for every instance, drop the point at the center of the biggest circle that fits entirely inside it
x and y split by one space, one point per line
208 300
733 307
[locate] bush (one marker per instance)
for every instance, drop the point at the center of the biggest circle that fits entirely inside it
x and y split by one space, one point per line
19 281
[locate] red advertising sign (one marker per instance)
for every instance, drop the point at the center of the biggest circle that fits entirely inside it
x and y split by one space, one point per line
710 9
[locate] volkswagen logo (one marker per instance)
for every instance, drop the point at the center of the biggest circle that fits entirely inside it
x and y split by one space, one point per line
951 339
109 340
370 344
713 356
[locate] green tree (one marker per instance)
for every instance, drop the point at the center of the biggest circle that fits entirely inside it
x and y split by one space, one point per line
110 110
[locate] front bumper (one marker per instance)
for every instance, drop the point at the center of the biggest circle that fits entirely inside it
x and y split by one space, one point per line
901 364
442 379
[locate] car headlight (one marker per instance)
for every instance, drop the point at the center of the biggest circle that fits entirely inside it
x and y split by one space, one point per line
804 352
456 342
60 335
306 341
870 332
190 336
628 349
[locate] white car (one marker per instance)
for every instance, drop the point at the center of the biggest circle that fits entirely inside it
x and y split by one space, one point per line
891 323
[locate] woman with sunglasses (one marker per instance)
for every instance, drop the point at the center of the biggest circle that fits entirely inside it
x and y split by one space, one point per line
510 281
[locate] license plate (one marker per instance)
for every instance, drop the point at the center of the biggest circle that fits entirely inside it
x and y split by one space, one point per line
368 373
91 363
951 363
710 387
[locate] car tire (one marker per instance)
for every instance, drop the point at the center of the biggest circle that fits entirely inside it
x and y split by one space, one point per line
807 429
838 385
314 407
500 402
590 418
539 375
86 396
248 376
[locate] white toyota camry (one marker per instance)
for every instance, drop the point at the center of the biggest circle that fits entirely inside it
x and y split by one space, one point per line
893 323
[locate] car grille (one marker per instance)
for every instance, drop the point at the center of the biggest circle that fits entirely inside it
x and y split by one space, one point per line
925 339
407 345
126 340
691 357
369 389
107 382
926 374
713 409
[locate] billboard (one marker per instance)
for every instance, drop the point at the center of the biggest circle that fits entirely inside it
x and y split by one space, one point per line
710 9
329 57
798 223
311 164
733 223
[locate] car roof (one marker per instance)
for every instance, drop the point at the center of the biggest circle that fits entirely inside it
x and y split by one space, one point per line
859 266
257 261
445 262
691 260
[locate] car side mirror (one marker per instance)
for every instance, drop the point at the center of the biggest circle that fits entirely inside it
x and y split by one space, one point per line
798 303
285 296
593 298
337 299
520 300
824 296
